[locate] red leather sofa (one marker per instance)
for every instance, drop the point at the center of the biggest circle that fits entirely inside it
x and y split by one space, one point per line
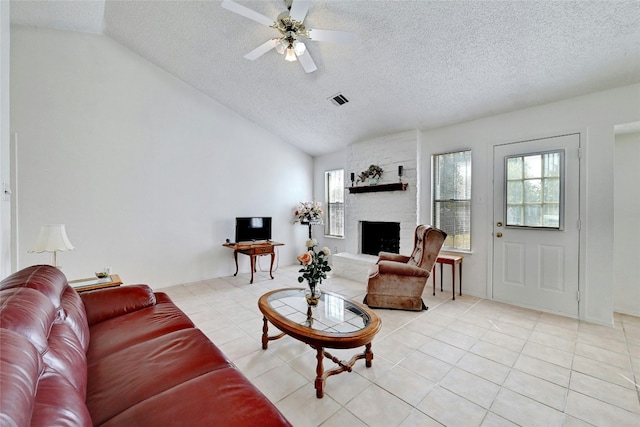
122 356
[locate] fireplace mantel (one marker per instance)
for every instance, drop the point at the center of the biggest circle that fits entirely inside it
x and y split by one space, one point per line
396 186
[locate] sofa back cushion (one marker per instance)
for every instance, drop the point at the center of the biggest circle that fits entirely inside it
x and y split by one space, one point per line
20 369
29 313
50 282
44 367
43 381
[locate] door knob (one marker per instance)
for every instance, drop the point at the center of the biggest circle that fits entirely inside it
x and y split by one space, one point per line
498 235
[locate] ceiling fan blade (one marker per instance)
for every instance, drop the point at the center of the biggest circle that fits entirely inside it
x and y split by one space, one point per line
307 63
331 36
261 50
247 13
299 10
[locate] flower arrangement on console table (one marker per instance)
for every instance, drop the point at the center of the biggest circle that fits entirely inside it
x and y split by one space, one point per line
309 213
372 174
315 266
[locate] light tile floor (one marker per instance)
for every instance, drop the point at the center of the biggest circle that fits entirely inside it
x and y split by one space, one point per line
468 362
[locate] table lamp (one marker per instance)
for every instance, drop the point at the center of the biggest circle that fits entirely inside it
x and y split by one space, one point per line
52 238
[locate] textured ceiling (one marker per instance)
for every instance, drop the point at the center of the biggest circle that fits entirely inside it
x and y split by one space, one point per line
415 65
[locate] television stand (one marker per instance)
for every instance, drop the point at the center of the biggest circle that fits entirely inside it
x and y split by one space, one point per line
253 250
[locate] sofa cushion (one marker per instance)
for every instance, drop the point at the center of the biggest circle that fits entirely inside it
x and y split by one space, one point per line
20 368
135 327
75 316
220 398
29 313
58 403
105 304
53 285
45 279
67 356
140 371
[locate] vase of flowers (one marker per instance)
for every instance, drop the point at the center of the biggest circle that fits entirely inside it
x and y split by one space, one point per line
309 213
315 266
372 174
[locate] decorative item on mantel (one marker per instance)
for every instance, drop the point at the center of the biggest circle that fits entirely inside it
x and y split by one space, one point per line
372 174
309 213
314 268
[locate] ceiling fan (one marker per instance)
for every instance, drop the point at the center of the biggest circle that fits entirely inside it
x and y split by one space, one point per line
292 30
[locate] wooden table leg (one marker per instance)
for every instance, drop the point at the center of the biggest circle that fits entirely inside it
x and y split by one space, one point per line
453 280
368 355
253 266
319 373
273 257
265 334
460 268
434 279
441 277
235 257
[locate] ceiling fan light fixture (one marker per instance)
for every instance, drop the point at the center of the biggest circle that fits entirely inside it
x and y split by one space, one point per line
299 47
291 54
281 46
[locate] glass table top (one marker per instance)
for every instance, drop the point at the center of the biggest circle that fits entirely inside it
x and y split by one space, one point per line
333 314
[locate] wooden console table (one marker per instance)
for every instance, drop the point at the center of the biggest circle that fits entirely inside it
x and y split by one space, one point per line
253 250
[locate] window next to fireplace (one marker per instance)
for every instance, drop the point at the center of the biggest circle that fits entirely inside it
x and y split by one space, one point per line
380 236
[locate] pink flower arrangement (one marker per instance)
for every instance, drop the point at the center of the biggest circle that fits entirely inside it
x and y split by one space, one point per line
309 212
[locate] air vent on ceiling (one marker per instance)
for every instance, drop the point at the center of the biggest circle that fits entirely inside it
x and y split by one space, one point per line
338 99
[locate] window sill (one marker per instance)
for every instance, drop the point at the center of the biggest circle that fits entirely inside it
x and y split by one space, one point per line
326 236
462 252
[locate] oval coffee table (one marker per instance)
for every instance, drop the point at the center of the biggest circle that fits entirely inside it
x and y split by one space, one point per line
334 323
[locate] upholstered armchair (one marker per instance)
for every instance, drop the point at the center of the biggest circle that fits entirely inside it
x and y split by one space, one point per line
397 281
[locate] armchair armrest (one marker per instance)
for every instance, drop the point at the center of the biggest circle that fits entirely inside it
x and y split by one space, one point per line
391 267
103 304
389 256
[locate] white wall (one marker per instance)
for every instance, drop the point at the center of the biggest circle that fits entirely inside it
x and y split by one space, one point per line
626 255
5 152
147 173
594 116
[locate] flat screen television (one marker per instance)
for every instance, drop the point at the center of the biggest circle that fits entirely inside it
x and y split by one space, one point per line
253 228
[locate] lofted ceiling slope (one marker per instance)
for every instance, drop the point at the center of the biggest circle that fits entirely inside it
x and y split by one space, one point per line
415 64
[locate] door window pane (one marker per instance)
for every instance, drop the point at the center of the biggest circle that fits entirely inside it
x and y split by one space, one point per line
534 190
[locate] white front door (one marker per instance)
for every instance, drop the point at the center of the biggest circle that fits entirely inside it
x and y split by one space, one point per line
536 224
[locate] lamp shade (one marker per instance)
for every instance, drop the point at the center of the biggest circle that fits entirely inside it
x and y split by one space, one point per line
53 237
291 55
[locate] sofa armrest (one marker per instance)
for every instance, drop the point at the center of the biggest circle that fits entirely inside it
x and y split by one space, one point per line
103 304
389 256
391 267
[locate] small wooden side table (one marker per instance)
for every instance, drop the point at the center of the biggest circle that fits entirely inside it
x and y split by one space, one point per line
253 250
452 260
92 283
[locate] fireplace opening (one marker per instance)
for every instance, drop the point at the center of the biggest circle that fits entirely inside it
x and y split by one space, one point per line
380 236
